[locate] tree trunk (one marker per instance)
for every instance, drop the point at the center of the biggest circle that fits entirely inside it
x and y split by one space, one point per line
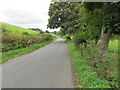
95 42
105 37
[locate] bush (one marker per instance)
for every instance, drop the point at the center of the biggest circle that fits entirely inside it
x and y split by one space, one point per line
68 38
26 33
80 38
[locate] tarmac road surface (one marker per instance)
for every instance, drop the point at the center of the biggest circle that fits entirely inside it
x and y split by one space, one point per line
47 67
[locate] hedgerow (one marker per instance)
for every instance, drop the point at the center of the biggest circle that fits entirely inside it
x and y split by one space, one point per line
12 41
84 73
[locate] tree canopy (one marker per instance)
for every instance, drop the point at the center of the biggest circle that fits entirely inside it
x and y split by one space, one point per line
63 15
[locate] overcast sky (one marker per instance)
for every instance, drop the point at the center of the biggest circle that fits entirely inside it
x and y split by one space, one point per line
25 13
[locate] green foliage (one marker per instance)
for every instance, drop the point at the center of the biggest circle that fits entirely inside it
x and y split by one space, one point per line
17 52
89 22
79 37
92 21
37 29
55 32
113 45
91 6
13 39
63 14
41 32
101 66
84 73
110 19
47 31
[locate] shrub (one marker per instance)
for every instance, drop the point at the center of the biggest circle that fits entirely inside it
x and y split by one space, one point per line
80 38
68 38
26 33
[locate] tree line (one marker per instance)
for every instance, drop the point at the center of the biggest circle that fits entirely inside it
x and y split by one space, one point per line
40 30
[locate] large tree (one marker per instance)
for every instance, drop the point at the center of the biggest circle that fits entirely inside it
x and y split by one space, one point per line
110 25
107 21
90 20
63 15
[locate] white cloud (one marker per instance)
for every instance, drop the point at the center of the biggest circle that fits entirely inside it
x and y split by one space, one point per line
25 13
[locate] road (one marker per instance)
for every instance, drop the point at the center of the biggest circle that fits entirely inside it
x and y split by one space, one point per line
47 67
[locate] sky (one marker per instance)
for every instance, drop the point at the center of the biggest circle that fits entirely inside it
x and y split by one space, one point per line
25 13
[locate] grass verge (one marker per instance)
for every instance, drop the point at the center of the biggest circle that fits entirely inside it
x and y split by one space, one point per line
14 53
85 76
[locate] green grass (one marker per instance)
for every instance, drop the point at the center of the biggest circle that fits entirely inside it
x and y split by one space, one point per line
85 76
113 45
14 53
16 29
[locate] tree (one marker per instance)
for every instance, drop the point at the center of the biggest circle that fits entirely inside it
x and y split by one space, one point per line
90 21
110 22
110 25
63 15
54 32
47 31
41 32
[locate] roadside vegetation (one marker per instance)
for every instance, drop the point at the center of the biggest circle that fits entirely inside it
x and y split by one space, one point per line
92 33
17 41
91 72
85 76
17 52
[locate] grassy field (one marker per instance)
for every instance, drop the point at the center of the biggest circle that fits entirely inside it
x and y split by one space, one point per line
16 29
113 45
17 40
86 76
